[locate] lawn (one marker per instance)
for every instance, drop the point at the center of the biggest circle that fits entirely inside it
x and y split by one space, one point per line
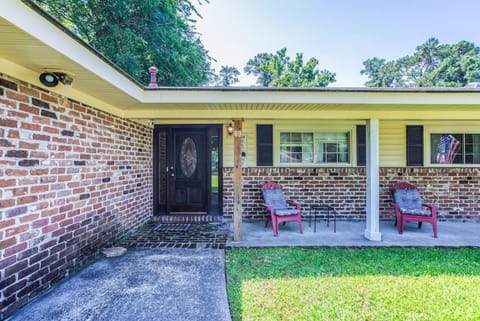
354 284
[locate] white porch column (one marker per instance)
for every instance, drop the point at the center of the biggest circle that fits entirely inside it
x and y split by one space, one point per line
372 229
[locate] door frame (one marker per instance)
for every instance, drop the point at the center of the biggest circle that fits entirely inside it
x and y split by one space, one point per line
160 206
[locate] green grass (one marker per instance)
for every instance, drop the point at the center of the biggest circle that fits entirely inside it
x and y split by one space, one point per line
215 184
354 284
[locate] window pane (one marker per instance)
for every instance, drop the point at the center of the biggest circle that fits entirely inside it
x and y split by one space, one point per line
476 148
472 148
448 149
331 147
296 147
435 149
296 138
284 138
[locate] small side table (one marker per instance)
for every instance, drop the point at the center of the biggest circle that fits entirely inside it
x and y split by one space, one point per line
315 209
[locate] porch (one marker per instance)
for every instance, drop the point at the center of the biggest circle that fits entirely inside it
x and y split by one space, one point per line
351 233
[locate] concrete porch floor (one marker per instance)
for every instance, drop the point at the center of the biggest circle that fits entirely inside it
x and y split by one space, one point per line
450 234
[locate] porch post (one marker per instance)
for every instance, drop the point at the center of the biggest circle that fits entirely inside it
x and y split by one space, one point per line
237 179
372 230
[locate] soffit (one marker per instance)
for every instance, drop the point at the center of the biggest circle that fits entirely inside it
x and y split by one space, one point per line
29 52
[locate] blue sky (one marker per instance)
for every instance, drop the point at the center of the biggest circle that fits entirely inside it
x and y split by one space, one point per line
341 34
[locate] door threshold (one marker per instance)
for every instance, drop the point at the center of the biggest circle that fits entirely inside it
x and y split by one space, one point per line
187 218
188 213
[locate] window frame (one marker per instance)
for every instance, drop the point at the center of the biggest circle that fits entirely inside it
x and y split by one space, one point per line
348 129
427 151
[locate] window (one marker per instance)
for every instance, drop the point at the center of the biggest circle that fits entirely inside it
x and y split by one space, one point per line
314 147
331 147
455 148
296 147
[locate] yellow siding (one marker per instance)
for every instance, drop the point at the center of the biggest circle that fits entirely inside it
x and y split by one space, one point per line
392 135
249 132
392 143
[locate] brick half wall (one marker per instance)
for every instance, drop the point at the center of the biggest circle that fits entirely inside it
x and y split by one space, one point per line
72 180
454 190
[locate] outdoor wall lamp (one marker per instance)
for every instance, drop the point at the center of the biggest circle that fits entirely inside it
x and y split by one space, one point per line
52 78
230 129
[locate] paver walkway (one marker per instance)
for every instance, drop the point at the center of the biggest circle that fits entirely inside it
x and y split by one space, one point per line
190 235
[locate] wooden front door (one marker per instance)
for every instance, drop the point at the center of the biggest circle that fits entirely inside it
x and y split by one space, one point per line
187 173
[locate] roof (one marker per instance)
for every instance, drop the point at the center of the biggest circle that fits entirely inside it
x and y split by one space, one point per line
32 41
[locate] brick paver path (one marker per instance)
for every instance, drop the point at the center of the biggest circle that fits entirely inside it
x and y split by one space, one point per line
212 235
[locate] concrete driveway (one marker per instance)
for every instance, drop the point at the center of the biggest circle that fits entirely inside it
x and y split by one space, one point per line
143 284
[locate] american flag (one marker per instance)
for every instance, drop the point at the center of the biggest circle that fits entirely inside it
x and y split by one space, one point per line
447 149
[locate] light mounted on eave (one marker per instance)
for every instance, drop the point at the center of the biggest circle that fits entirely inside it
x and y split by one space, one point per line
51 77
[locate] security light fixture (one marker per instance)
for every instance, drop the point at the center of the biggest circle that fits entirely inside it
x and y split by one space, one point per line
51 78
48 79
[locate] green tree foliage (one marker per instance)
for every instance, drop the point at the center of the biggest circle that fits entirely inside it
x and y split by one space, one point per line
431 65
138 34
279 70
227 76
259 67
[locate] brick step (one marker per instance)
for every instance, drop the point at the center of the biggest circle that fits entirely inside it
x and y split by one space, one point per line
187 218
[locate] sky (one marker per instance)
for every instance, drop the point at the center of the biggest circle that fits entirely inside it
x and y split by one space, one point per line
341 34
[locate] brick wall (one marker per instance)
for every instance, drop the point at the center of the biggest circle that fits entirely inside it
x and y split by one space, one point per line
72 180
455 190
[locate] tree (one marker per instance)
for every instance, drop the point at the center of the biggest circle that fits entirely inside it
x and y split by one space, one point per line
278 70
259 67
228 75
383 73
431 65
138 34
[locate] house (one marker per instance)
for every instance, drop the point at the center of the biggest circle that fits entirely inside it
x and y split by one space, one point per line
82 165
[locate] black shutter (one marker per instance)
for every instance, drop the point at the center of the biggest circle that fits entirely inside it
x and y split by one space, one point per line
264 145
414 145
361 145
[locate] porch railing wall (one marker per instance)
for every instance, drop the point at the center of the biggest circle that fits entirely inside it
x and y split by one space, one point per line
454 190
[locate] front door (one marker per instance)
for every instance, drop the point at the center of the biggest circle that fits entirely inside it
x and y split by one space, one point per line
187 173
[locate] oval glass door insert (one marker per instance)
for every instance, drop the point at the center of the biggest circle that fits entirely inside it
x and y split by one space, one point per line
188 157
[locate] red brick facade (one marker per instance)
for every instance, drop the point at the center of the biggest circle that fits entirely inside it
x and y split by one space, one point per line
72 180
455 190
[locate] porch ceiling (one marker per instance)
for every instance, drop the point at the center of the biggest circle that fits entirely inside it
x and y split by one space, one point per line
303 111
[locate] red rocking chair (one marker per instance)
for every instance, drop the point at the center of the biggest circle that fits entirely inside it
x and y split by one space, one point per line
278 206
408 206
